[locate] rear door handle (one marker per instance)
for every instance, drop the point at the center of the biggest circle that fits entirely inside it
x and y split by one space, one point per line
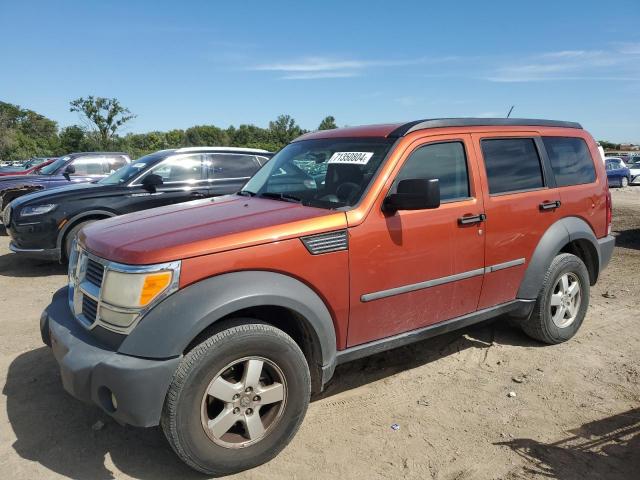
550 205
470 219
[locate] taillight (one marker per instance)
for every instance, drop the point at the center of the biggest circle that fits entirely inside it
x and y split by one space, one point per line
609 212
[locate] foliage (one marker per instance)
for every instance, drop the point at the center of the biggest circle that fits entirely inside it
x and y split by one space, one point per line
105 115
328 123
25 134
608 145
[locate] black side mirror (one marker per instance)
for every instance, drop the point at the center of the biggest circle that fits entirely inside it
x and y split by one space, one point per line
151 182
413 194
69 170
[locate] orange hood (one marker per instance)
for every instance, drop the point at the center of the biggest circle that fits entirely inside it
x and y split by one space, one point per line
202 227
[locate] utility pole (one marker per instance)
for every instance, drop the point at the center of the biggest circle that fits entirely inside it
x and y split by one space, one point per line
510 110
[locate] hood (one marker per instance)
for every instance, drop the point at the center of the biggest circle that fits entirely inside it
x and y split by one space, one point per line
202 227
44 181
55 194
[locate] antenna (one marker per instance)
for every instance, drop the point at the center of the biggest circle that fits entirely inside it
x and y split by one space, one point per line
510 110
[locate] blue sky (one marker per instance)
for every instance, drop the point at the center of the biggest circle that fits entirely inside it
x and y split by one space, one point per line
178 64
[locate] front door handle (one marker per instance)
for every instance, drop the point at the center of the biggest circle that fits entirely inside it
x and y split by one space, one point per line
470 219
550 205
197 195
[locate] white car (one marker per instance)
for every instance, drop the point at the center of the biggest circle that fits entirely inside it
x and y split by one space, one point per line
634 170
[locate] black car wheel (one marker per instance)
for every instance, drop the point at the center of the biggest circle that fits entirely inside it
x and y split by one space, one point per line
237 399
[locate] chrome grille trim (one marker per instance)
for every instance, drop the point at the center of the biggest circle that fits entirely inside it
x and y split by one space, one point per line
85 292
326 242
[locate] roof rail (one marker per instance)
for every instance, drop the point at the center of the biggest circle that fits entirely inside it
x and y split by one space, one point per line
478 122
221 149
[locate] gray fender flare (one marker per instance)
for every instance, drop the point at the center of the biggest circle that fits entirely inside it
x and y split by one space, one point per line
80 216
554 239
171 326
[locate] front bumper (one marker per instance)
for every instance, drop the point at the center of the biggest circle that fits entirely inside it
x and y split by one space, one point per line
95 374
43 253
605 246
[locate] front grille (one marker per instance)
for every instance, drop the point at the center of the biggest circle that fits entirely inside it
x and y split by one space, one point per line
326 242
89 308
95 273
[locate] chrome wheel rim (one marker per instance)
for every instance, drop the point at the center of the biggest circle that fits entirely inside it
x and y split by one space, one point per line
566 298
243 402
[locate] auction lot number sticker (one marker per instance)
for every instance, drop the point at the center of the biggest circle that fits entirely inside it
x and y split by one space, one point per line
356 158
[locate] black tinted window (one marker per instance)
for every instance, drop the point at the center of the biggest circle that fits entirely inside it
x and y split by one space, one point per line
446 162
227 165
512 164
570 160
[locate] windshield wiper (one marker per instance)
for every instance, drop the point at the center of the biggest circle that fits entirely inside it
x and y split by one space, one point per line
281 196
247 193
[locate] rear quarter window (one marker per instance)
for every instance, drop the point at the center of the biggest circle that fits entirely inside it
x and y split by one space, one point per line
512 165
570 159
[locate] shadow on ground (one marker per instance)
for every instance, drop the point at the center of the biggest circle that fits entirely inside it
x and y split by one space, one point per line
55 430
605 449
629 238
14 265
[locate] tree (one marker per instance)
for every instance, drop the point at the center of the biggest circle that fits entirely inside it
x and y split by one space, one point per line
329 123
206 135
608 145
284 129
25 133
72 139
105 115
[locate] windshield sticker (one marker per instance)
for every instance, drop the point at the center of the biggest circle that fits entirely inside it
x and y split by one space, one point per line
356 158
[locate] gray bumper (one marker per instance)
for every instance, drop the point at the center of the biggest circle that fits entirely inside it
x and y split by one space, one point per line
92 372
606 245
43 253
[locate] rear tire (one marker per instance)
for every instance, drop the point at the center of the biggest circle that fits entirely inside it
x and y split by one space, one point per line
71 236
210 412
562 302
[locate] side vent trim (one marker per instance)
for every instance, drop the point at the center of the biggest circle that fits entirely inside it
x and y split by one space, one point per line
326 242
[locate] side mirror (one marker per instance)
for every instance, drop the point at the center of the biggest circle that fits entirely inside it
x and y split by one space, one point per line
151 182
413 194
69 170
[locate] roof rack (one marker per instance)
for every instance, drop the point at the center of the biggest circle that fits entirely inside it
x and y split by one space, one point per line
478 122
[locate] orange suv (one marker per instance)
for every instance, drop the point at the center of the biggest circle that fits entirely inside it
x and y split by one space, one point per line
218 318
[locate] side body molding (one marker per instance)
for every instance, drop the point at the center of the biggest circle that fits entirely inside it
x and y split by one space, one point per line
557 236
168 328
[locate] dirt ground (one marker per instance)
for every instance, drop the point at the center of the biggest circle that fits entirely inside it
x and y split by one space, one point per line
575 415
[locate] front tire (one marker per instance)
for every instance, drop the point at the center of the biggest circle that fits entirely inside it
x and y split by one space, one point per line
562 302
237 399
71 236
624 182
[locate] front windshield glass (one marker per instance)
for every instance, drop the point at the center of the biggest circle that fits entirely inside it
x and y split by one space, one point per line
326 173
131 170
53 167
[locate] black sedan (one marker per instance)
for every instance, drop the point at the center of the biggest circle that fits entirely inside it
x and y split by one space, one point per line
44 224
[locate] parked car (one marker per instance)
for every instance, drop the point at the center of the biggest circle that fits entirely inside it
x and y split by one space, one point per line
70 169
634 169
218 318
28 168
44 224
617 172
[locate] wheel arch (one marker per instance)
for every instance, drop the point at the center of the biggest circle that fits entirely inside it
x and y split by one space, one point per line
200 310
78 218
569 235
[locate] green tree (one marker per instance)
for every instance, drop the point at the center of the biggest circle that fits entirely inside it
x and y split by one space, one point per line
25 133
104 115
608 145
284 129
328 123
206 135
72 139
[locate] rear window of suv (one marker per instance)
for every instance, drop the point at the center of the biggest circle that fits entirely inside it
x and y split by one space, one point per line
512 164
570 160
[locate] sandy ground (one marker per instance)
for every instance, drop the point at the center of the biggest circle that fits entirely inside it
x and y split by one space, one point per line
576 413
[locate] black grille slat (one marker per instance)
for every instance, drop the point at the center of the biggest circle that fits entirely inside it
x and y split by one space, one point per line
94 273
326 242
89 308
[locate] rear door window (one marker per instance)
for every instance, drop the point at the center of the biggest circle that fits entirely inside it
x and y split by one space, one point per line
446 162
570 160
232 166
88 166
512 165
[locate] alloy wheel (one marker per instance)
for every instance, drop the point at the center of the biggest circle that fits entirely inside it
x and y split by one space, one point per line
565 300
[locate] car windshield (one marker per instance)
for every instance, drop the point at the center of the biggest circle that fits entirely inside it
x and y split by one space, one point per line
131 170
53 167
326 173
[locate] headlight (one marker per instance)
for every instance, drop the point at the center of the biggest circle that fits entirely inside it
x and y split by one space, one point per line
134 290
37 209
